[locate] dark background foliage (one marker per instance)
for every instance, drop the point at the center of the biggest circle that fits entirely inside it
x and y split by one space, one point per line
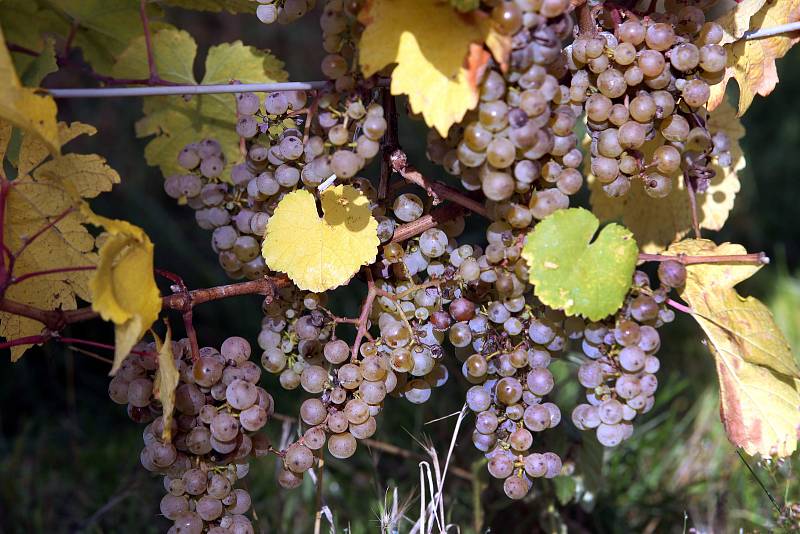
69 456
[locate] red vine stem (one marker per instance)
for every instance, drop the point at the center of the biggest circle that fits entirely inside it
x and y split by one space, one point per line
758 258
19 279
434 218
436 190
187 314
680 307
56 320
151 61
363 318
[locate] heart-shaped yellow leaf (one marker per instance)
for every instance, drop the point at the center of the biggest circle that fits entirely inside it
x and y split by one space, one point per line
321 253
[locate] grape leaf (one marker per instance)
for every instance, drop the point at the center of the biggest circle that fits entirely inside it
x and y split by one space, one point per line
41 66
572 274
123 287
758 375
231 6
29 24
657 222
752 63
734 17
165 382
176 121
23 108
430 42
43 198
105 27
320 254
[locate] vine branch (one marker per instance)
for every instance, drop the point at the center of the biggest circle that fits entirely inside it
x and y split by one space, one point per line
56 320
436 190
363 317
757 258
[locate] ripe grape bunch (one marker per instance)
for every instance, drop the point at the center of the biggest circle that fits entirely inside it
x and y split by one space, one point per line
644 88
219 411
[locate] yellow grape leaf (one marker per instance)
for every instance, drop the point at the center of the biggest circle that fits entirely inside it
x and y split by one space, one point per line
176 121
758 375
657 222
752 63
734 17
42 202
438 52
320 254
165 382
123 287
22 107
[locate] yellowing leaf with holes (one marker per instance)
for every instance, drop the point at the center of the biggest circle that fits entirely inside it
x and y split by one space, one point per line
123 287
657 222
321 253
752 63
758 375
43 227
438 53
23 107
165 382
175 121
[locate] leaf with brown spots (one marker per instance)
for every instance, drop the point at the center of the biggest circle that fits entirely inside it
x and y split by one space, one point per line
758 375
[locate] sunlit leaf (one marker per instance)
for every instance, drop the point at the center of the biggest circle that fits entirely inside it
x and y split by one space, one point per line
321 253
758 374
439 54
572 270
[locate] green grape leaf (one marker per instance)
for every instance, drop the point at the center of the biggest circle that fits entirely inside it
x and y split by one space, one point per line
26 23
41 66
566 488
176 121
571 273
103 28
465 5
231 6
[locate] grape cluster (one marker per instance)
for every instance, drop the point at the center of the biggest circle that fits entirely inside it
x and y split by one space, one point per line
644 89
619 375
519 146
219 410
283 11
279 159
340 34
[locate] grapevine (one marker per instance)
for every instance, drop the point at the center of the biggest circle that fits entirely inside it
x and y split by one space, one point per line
489 271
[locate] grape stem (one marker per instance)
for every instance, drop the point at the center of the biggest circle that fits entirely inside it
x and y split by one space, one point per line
680 307
179 287
434 218
363 318
692 203
390 143
438 191
56 320
757 258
